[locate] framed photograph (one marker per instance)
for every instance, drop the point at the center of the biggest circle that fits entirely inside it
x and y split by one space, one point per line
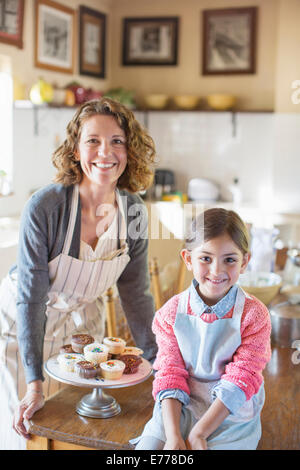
11 22
229 41
92 30
54 36
150 41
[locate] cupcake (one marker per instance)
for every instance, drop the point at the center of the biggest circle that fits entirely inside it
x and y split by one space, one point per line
132 350
131 362
79 341
66 349
87 370
95 353
115 345
112 370
67 361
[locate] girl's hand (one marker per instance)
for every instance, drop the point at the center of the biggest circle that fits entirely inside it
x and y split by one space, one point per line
196 442
175 443
33 401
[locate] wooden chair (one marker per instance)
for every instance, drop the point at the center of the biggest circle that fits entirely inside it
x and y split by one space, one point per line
110 313
160 295
116 323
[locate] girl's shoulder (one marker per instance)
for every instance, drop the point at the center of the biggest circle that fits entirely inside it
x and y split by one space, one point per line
167 313
255 311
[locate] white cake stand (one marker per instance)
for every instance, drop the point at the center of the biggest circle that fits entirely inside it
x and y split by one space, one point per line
97 404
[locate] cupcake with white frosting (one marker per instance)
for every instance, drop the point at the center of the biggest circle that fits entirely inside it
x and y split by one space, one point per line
67 361
95 353
115 345
132 350
112 370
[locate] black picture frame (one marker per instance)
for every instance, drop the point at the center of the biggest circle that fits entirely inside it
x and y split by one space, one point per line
92 42
150 41
229 41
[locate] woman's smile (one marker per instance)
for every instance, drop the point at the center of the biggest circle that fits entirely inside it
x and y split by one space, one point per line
102 150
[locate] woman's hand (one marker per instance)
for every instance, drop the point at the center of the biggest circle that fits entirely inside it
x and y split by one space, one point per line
32 401
175 443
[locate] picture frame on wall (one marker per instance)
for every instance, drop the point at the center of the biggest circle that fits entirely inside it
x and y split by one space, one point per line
92 42
54 36
150 41
11 22
229 41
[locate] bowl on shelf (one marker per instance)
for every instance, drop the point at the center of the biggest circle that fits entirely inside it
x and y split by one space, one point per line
156 101
186 101
263 285
221 102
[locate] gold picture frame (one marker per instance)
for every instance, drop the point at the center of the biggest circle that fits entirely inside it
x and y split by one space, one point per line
54 36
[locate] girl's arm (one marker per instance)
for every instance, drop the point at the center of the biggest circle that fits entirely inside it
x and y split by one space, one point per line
249 360
169 364
209 422
171 411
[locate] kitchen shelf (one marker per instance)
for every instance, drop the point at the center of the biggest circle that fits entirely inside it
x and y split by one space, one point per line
27 104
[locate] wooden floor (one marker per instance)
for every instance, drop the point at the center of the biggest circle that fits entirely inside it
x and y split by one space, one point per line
281 412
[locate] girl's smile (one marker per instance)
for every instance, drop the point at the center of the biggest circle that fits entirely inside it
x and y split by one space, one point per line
216 265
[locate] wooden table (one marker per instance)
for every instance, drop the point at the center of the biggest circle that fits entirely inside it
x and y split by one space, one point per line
281 412
58 426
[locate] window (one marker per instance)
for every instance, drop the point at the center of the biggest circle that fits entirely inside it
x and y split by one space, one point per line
6 124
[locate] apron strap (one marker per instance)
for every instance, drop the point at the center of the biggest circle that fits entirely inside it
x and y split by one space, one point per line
72 220
239 302
183 301
122 225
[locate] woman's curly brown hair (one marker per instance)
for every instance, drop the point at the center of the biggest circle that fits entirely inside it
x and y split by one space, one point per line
138 174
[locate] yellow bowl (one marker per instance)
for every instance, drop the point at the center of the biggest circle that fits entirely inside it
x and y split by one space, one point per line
186 101
158 101
221 102
265 286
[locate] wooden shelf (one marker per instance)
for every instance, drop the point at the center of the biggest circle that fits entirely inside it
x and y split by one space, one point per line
27 104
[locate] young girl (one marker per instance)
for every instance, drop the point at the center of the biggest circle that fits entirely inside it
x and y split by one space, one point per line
213 344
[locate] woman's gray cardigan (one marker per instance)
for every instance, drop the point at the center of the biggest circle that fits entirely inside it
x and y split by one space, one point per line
43 229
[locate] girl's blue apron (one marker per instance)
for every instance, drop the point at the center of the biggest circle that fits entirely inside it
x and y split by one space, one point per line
206 349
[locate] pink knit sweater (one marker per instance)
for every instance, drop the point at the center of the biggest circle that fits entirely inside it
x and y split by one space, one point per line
247 364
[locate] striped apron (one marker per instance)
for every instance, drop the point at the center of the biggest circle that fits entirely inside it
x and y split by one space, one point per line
74 306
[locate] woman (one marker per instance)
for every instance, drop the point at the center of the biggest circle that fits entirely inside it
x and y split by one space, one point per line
78 237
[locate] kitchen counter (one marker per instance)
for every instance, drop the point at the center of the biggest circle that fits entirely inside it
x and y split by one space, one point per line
175 215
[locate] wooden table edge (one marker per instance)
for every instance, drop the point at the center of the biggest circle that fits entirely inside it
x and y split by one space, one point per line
49 434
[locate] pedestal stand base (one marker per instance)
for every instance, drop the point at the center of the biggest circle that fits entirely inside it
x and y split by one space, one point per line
98 405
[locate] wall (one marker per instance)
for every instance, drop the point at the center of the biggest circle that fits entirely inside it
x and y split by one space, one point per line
287 60
23 59
254 91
